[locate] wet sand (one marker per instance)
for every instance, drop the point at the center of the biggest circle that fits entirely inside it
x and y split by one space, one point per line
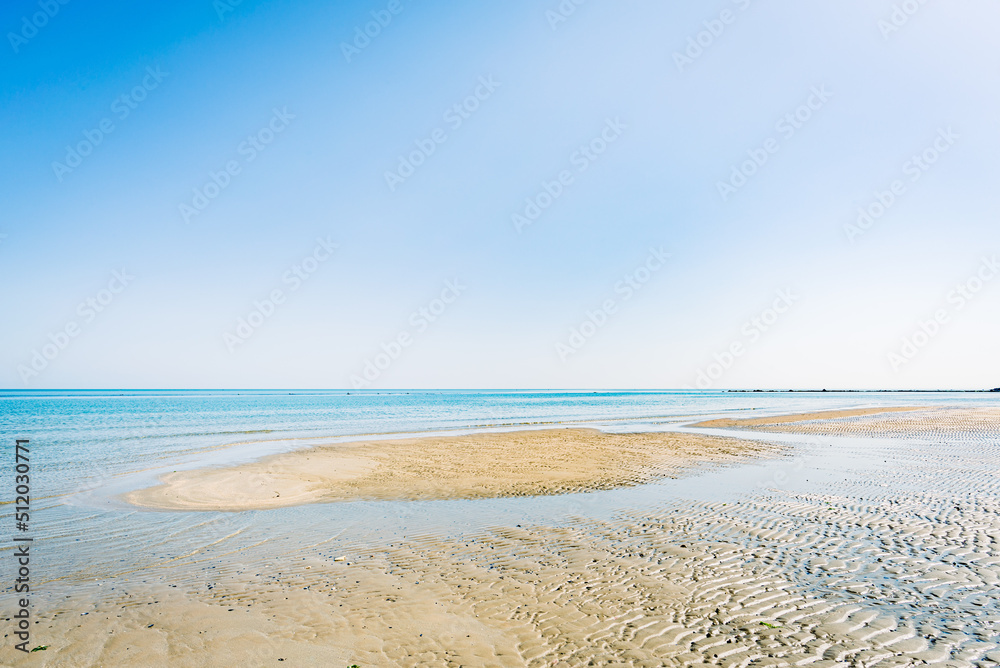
729 423
889 566
488 465
924 423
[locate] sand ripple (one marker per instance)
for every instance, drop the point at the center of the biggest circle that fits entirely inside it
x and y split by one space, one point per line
897 568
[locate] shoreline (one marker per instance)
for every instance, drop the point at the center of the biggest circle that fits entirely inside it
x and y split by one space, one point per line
791 575
729 423
514 462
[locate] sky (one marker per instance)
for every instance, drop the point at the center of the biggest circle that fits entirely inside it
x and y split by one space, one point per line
527 194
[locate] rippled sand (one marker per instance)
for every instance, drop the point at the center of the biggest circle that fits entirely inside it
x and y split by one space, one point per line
896 566
728 423
489 465
924 423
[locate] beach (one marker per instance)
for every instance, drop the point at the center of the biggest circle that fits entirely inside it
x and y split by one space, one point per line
505 464
399 334
864 537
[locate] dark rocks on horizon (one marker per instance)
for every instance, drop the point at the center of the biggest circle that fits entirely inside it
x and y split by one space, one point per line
995 389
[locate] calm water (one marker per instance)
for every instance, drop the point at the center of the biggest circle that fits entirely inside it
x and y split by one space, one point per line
89 446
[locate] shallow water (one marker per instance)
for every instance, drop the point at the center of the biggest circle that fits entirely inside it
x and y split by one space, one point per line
87 447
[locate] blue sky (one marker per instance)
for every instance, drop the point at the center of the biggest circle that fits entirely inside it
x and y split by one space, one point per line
434 282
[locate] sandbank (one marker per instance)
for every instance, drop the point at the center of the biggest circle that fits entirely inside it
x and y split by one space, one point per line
484 465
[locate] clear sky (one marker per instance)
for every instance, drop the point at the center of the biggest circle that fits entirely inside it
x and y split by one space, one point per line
526 194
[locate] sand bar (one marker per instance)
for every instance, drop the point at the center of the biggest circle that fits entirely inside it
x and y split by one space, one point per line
978 424
727 423
488 465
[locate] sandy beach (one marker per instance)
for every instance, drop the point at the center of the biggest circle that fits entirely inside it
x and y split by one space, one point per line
927 422
874 565
799 418
507 464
